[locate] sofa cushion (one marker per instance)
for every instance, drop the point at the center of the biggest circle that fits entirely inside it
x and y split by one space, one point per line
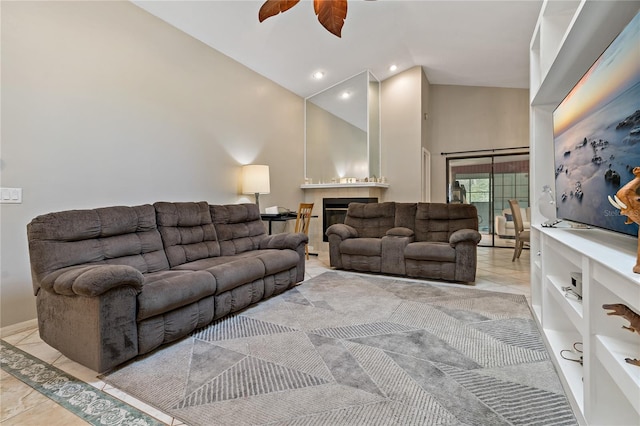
167 290
405 216
437 221
278 260
440 252
362 246
274 260
113 235
187 231
236 273
371 220
239 228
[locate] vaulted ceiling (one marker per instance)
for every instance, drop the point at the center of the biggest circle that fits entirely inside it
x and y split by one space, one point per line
469 43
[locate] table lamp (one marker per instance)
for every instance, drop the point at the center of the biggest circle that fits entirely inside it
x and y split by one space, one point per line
255 180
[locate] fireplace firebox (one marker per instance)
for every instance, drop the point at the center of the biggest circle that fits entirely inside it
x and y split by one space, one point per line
334 210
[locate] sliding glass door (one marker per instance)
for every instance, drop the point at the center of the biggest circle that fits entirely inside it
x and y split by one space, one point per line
489 182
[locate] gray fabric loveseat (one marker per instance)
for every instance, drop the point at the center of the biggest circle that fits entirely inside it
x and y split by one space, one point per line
115 282
423 240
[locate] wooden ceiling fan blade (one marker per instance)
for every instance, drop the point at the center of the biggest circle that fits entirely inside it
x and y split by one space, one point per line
273 7
331 14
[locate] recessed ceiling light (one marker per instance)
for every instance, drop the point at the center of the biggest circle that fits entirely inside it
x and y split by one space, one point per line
318 75
393 67
345 95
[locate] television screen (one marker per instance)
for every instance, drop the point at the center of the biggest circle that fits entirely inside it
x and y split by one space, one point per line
596 131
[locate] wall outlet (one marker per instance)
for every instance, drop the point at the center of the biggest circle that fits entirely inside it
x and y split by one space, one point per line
10 195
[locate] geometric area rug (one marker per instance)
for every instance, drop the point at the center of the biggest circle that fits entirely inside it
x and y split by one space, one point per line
348 349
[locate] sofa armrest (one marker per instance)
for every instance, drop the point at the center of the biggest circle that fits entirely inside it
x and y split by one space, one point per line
400 232
343 231
293 241
464 235
284 241
336 234
465 243
92 280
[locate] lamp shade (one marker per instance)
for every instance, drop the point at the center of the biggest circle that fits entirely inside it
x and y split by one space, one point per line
255 179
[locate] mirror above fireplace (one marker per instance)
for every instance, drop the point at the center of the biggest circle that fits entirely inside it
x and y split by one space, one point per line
342 131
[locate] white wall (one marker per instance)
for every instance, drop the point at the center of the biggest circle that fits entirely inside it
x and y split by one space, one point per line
335 147
104 104
471 118
425 169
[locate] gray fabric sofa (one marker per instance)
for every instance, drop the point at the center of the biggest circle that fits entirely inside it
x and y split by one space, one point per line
422 240
116 282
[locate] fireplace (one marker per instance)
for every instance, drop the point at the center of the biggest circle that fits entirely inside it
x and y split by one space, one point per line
334 210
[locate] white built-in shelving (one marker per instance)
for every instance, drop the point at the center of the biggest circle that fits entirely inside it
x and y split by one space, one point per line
604 390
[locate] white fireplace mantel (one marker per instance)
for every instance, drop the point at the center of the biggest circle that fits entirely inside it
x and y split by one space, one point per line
344 185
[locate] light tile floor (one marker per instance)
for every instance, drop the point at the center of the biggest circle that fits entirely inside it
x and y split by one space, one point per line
22 405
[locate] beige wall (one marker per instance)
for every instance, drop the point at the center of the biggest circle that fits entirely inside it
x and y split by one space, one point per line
471 118
401 110
104 104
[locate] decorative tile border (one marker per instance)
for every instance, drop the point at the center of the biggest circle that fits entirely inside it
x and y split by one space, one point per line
90 404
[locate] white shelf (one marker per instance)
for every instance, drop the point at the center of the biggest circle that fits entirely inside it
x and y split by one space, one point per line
572 307
572 372
612 353
565 320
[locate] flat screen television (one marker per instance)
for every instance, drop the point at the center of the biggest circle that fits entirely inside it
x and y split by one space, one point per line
596 134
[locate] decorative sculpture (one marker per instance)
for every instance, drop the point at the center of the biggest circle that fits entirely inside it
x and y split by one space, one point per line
627 199
331 13
547 207
634 322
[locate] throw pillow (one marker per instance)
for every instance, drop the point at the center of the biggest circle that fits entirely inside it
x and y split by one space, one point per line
509 217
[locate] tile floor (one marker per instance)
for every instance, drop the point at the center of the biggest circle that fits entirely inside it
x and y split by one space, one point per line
22 405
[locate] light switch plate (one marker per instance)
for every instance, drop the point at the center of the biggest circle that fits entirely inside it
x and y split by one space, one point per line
10 195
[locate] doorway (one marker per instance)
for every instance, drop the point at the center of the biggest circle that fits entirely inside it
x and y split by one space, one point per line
488 182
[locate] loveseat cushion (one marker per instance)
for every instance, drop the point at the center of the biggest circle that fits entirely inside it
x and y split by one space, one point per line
435 222
439 252
405 215
167 290
371 220
362 246
187 231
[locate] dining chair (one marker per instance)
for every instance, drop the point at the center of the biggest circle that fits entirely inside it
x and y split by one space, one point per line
302 222
522 236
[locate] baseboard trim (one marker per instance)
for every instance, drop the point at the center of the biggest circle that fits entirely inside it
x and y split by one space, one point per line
18 328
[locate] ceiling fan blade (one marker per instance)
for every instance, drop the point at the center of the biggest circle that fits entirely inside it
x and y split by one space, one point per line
331 14
273 7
